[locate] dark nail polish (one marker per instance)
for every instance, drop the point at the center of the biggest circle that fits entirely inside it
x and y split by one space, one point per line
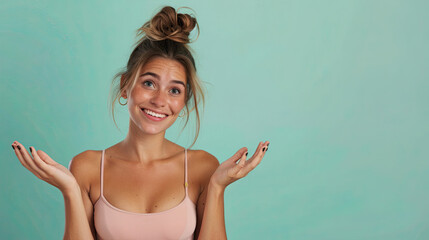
263 149
246 153
266 150
268 145
18 147
13 147
30 149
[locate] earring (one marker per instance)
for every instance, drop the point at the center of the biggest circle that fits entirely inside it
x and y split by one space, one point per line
123 104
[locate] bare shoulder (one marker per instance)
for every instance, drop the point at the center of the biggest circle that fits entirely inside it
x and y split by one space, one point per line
202 165
85 166
204 160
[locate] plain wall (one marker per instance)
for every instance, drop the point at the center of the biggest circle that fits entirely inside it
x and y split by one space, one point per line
339 88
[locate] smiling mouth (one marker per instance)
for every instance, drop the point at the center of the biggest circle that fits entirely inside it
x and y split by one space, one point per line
150 113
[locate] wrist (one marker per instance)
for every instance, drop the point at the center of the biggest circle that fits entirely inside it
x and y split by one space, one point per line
217 188
72 191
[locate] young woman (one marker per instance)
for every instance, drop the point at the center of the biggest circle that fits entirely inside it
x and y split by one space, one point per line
147 187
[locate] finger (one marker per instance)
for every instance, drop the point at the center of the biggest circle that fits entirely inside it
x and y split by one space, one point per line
263 150
39 162
256 159
258 149
265 147
45 157
237 155
19 156
27 158
236 169
243 159
19 148
268 143
23 161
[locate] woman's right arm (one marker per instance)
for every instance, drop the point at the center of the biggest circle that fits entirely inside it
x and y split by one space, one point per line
78 206
77 218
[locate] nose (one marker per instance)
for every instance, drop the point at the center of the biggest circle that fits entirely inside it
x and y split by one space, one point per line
158 99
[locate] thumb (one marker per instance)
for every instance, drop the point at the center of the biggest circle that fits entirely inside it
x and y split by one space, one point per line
45 157
238 155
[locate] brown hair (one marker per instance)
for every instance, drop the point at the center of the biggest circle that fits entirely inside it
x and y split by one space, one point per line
165 35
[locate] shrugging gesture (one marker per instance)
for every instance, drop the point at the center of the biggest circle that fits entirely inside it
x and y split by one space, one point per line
238 166
45 168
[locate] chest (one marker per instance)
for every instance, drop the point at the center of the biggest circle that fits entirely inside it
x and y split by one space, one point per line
144 189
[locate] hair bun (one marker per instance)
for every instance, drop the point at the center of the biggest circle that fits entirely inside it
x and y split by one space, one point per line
168 24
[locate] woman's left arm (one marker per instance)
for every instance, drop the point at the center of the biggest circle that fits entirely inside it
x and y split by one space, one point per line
210 206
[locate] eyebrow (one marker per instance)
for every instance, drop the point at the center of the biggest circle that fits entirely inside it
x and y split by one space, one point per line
157 76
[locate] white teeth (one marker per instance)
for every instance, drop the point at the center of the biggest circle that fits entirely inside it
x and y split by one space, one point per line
155 114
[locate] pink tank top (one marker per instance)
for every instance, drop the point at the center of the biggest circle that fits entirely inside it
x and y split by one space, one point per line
112 223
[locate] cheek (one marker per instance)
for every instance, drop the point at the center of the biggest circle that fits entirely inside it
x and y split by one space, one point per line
178 105
140 94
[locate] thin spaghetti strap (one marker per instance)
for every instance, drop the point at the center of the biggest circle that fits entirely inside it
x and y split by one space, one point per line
101 173
186 171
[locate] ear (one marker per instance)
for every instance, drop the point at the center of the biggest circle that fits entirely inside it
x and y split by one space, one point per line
124 92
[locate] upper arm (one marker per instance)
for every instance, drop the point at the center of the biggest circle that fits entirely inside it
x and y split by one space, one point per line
82 167
207 165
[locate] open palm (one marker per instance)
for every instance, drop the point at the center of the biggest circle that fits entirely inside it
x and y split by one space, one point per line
237 166
45 168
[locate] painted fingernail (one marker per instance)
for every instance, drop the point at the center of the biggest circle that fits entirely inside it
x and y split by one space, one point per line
268 144
246 153
30 149
266 150
13 147
18 147
263 149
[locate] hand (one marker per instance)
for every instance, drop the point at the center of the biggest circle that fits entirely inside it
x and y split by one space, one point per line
231 170
45 168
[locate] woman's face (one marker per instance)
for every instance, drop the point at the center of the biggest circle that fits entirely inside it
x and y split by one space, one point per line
158 95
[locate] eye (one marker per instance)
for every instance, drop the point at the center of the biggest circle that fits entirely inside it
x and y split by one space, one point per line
148 83
175 91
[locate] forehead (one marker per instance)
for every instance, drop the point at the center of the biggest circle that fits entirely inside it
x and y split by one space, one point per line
165 67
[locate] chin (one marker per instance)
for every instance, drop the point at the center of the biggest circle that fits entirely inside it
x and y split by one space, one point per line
152 131
154 128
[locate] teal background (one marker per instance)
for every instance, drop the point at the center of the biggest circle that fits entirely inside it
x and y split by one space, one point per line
339 88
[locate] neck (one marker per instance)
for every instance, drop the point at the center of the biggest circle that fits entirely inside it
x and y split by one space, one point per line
142 147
